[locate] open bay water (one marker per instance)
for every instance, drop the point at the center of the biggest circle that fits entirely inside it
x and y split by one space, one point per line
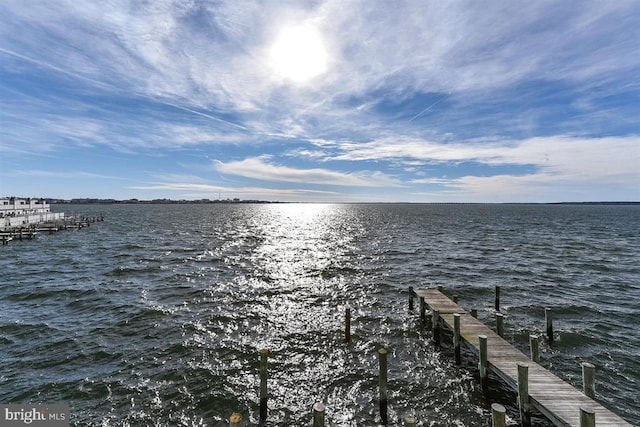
155 316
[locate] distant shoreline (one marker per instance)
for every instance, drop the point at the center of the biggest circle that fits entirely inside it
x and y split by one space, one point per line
90 201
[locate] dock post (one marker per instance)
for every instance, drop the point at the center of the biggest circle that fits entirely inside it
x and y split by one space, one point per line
500 324
411 293
235 420
263 385
318 414
440 288
423 309
587 417
474 313
549 321
410 421
497 302
436 326
456 338
482 366
455 298
498 415
523 394
382 357
534 348
588 380
347 324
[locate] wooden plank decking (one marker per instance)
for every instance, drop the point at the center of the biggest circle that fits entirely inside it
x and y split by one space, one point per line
559 401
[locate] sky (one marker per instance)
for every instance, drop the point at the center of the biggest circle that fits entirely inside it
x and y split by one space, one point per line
321 101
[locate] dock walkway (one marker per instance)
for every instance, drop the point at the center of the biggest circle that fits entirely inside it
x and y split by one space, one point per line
559 401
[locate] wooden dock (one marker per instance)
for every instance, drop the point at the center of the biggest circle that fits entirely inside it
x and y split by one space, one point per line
559 401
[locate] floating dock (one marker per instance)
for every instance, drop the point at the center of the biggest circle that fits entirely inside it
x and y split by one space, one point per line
557 400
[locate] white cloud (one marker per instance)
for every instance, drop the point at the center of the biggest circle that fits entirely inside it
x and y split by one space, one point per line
260 168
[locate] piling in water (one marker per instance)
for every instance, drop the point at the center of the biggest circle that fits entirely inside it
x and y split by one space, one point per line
436 326
498 415
382 357
410 421
497 301
423 309
549 321
456 338
318 414
235 420
263 385
482 365
347 324
411 293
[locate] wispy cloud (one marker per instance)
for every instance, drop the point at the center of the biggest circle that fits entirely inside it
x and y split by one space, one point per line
259 168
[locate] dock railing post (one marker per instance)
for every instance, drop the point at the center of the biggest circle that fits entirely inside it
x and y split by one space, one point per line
382 357
588 380
497 302
587 417
456 338
411 294
347 324
482 366
523 394
534 348
263 385
549 321
500 324
318 414
498 415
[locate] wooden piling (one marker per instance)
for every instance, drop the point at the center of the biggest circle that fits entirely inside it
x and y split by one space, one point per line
436 326
498 415
263 385
423 309
588 380
549 321
534 348
456 338
382 357
347 324
235 420
318 414
455 299
523 394
474 313
410 421
411 294
587 417
497 301
500 324
482 365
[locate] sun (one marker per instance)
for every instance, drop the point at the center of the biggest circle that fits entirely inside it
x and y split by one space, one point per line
298 53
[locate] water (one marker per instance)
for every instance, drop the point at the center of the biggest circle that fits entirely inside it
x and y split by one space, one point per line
155 316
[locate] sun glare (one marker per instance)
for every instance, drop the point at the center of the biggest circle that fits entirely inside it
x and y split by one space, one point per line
298 53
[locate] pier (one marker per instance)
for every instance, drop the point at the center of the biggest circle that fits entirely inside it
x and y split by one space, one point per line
22 219
537 387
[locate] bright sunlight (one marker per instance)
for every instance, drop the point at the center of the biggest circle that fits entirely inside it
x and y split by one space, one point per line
298 53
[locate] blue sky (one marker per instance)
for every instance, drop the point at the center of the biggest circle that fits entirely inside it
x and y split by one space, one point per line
331 101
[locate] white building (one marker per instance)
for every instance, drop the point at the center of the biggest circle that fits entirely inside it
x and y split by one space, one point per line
25 212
